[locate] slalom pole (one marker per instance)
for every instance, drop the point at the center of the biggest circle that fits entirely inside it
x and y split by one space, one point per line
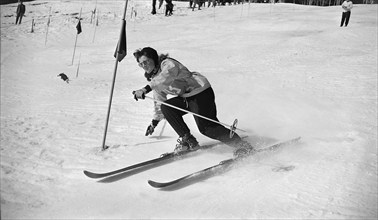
214 10
47 26
232 127
162 129
32 29
104 147
241 11
73 56
78 67
96 23
249 5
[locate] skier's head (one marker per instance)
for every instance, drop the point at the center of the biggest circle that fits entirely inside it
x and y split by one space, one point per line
149 52
148 59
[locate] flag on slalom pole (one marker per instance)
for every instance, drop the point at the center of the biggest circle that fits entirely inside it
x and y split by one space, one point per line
122 51
78 27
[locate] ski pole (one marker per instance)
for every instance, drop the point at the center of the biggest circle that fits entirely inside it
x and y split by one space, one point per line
162 129
232 127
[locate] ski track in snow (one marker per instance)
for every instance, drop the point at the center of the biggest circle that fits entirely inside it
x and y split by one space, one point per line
283 70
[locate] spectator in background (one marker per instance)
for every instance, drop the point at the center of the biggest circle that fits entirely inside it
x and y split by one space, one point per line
347 7
196 2
168 8
20 12
153 7
213 2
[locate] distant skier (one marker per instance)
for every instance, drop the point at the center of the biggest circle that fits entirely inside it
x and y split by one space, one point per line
196 2
168 8
192 92
64 77
347 6
20 12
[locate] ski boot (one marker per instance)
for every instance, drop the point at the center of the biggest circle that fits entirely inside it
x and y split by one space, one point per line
244 149
187 143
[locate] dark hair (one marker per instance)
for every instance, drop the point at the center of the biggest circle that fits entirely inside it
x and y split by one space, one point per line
148 52
152 54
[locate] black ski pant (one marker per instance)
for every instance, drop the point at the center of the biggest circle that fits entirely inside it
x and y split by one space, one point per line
153 7
201 104
19 18
345 17
169 9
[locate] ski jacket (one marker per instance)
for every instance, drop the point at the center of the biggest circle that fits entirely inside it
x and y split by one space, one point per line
175 79
347 5
20 9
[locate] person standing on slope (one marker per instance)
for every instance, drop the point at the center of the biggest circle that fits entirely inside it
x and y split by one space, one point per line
192 92
347 6
196 2
168 8
153 7
20 12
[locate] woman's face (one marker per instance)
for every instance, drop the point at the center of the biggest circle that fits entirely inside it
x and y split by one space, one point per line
147 64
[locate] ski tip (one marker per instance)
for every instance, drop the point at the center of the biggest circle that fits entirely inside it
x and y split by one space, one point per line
154 184
87 173
90 174
161 185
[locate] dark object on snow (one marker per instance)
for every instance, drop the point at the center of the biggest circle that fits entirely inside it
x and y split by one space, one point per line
168 8
20 12
64 77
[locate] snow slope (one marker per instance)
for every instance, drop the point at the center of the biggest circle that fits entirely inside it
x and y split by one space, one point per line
283 70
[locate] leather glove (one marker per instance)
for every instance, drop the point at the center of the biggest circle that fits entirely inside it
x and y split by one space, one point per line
151 127
141 93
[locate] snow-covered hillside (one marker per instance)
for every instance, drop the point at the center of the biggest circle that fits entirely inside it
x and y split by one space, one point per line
282 70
